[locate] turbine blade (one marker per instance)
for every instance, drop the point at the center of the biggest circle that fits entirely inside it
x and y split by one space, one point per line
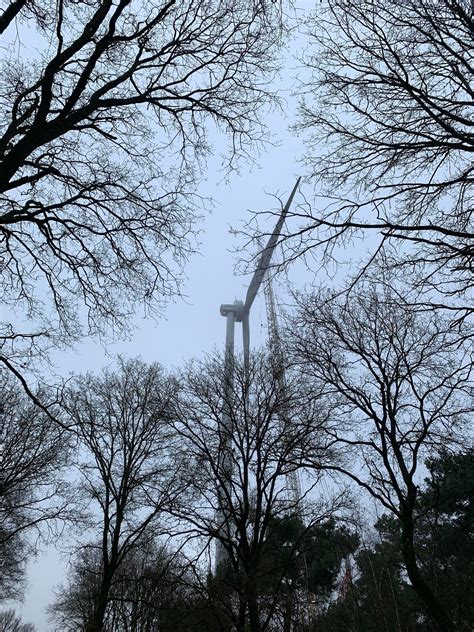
267 253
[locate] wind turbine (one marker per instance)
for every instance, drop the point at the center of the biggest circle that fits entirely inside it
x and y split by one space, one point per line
240 312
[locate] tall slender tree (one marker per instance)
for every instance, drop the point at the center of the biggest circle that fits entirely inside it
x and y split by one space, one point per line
273 432
34 497
400 387
129 473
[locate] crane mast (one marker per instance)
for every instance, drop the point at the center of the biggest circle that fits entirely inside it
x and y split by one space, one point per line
292 478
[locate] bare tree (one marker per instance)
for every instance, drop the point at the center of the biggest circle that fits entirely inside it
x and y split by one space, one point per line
102 135
149 592
73 605
271 432
10 622
400 388
34 497
388 113
127 464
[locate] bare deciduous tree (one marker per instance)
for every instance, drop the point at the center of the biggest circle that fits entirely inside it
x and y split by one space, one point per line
34 496
400 388
10 622
241 487
148 592
129 473
102 135
388 109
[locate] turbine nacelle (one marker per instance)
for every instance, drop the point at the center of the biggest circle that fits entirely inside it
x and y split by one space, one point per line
236 308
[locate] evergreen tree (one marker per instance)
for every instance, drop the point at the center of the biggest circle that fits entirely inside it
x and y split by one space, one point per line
381 598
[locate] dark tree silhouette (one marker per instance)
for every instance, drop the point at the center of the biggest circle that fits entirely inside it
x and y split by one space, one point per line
380 597
102 135
34 497
271 430
400 388
149 592
10 622
388 110
309 559
129 473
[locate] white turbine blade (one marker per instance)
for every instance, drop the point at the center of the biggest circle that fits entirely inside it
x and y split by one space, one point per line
267 253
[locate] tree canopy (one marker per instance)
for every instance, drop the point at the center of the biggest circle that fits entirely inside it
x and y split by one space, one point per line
386 114
103 135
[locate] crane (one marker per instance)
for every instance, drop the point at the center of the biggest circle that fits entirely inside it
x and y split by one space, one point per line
292 478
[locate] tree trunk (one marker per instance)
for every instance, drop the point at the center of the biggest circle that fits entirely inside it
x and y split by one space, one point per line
96 622
240 627
435 609
254 619
288 611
